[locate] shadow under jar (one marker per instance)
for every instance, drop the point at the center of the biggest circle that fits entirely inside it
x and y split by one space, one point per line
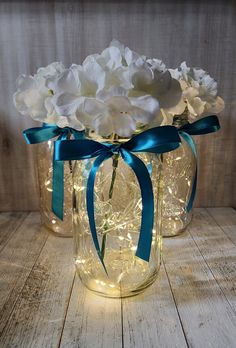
118 207
178 171
45 173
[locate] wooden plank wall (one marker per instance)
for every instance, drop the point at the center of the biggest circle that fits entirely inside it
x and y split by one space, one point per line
35 33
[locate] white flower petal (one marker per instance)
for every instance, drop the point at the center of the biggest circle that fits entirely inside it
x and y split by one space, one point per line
121 104
111 92
171 96
103 125
124 125
156 64
52 69
140 77
118 44
112 57
67 81
66 103
70 121
195 107
215 106
190 93
167 118
147 103
94 107
24 82
178 109
94 71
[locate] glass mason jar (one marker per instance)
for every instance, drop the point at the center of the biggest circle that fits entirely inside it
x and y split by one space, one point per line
118 206
44 168
178 171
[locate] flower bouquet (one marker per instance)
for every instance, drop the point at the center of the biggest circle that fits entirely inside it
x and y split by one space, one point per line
113 121
199 99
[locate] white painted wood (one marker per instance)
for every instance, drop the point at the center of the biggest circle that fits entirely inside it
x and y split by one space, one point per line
9 223
38 316
226 219
218 252
190 305
207 317
16 261
92 321
151 319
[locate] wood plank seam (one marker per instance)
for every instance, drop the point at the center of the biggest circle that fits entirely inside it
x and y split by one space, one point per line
177 310
202 254
211 272
23 285
68 303
231 240
122 323
14 231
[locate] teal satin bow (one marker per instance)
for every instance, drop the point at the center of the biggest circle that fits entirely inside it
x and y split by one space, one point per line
41 134
205 125
156 140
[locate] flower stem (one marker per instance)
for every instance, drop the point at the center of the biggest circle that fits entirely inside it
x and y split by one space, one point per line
114 165
115 160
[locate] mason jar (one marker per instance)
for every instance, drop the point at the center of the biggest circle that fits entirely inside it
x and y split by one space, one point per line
45 174
178 172
118 208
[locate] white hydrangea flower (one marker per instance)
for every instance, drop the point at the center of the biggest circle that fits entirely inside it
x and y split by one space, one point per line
32 93
112 92
107 110
150 77
117 79
119 114
199 93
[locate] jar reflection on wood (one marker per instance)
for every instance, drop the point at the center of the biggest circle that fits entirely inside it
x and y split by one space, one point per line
118 208
45 171
179 167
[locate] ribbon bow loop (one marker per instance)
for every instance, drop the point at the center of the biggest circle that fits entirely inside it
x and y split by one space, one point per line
156 140
47 132
205 125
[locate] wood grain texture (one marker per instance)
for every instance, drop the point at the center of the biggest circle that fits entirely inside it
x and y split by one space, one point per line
35 33
9 223
208 318
38 316
16 262
218 252
151 319
190 305
226 219
92 320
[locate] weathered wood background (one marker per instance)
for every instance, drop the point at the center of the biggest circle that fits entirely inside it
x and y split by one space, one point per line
35 33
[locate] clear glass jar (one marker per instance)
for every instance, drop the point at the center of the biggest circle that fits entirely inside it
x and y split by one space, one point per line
118 206
44 168
178 171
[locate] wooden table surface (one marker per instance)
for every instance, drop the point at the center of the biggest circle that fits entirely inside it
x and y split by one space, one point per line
192 303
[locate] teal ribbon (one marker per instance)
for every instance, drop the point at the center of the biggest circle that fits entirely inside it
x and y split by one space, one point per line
156 140
41 134
206 125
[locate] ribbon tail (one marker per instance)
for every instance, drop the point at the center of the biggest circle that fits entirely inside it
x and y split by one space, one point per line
58 182
144 180
90 203
58 188
192 145
193 193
